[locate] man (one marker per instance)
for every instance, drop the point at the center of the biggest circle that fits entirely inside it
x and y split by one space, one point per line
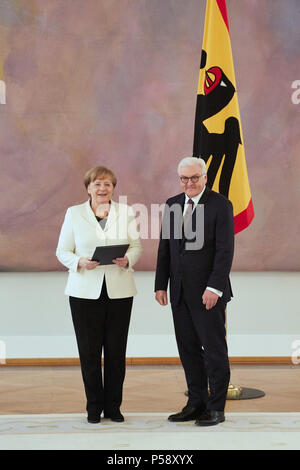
198 266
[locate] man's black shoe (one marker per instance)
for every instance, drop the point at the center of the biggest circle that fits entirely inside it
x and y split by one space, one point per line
210 418
116 416
188 413
94 418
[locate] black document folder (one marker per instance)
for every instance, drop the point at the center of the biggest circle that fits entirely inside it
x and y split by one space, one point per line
105 254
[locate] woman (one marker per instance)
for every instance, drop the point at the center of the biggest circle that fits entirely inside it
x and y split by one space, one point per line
100 296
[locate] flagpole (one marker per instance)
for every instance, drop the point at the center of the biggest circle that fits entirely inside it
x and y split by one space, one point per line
233 392
241 393
218 137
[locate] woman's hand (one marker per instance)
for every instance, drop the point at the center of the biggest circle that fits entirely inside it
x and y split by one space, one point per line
121 262
86 263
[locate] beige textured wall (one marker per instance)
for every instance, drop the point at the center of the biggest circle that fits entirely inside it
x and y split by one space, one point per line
114 82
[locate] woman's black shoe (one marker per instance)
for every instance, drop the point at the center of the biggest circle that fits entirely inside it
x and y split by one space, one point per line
116 416
94 419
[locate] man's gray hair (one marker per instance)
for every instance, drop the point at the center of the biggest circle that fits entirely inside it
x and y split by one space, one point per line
189 161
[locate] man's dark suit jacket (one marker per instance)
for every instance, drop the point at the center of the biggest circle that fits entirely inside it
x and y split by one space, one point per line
209 266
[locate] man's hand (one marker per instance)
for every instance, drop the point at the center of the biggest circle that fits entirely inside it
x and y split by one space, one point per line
161 297
86 263
209 299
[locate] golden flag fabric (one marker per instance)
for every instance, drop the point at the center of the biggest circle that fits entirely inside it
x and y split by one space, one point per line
218 133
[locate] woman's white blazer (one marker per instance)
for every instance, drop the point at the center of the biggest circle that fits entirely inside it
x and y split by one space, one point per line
79 236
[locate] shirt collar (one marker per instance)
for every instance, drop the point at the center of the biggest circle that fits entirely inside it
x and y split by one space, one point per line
195 199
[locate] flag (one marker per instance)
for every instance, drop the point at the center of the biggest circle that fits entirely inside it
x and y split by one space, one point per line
218 135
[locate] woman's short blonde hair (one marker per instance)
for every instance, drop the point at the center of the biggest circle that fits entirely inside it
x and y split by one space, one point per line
99 172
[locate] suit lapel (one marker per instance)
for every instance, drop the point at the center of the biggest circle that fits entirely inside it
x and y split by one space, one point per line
112 216
89 214
179 220
203 199
205 195
111 219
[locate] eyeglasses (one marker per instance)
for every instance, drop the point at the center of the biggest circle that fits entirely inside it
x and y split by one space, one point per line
194 179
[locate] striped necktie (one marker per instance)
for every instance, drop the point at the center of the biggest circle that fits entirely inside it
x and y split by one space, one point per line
188 212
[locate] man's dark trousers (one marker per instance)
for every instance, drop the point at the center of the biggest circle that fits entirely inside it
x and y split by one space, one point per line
201 341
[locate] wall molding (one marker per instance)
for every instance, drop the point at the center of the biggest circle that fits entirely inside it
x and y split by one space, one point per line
140 361
146 346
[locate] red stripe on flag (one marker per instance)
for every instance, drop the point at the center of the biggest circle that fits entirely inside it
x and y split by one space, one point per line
243 219
223 10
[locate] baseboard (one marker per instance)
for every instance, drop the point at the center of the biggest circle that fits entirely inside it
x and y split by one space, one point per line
146 346
139 361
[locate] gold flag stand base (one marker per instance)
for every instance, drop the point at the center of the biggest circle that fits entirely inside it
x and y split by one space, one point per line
238 393
233 392
241 393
